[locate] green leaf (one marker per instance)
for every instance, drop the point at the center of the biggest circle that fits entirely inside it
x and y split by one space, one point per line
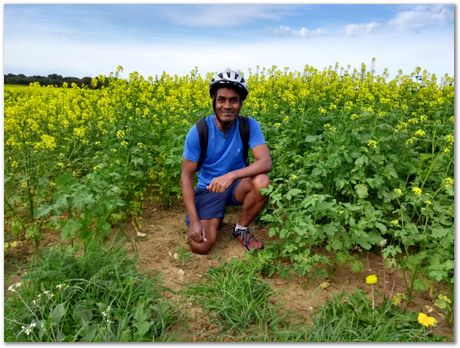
42 211
88 333
336 244
362 160
361 191
381 227
312 138
82 313
71 228
82 199
440 232
374 238
65 180
293 192
142 328
419 285
140 313
357 266
365 244
57 313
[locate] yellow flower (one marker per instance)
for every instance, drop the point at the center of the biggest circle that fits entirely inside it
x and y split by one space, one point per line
120 134
371 279
330 128
398 192
79 132
426 320
417 190
419 133
449 138
448 182
395 222
47 142
372 144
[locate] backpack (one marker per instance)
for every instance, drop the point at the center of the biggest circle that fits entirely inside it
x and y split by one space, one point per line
203 136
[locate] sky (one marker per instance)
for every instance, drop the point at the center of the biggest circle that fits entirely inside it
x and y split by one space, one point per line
88 39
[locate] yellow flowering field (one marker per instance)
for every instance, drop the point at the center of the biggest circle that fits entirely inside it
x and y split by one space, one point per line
357 158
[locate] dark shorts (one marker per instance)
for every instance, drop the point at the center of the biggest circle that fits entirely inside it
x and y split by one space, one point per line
210 205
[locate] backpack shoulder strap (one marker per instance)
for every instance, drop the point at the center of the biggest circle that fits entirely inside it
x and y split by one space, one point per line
244 133
203 136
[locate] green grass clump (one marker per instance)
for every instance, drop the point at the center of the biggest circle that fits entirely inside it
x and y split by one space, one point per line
96 297
238 300
350 318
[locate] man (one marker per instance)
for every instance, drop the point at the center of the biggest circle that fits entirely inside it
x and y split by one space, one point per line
224 177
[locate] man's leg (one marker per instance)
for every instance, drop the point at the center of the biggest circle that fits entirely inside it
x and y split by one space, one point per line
248 192
203 247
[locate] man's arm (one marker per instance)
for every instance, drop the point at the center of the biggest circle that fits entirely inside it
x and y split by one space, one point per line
261 165
196 231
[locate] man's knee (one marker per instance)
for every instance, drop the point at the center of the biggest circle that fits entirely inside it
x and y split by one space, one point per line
260 181
200 248
203 247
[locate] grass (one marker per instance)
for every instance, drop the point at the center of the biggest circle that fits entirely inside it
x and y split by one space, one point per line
237 299
95 297
350 318
100 297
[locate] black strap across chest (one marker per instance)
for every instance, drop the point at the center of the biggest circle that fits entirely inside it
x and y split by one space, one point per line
203 136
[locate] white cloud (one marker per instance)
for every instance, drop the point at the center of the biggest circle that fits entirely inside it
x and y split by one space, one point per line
360 29
414 18
284 30
422 16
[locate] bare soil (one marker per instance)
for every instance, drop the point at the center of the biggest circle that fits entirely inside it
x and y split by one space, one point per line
163 251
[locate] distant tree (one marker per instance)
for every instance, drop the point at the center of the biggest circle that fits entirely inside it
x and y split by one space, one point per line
55 80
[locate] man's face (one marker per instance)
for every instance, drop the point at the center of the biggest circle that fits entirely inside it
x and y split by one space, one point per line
228 104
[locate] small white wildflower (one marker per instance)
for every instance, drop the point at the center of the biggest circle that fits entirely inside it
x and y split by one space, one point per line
383 243
48 293
106 313
13 287
28 328
60 286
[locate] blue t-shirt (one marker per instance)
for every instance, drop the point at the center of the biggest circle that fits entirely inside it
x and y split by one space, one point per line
225 152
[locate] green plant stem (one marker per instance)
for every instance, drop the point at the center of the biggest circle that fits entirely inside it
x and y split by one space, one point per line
373 299
384 275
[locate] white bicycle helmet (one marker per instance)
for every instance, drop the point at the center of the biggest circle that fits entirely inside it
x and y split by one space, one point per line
229 78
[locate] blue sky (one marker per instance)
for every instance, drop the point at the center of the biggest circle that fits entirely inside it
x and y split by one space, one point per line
88 40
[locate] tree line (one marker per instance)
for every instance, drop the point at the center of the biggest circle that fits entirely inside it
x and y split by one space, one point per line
52 79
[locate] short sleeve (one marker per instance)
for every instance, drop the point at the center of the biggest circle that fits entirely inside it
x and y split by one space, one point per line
256 136
192 148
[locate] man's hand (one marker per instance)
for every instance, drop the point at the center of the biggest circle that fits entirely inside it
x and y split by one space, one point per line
197 233
221 183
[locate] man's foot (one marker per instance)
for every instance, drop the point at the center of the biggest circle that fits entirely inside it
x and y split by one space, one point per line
247 240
